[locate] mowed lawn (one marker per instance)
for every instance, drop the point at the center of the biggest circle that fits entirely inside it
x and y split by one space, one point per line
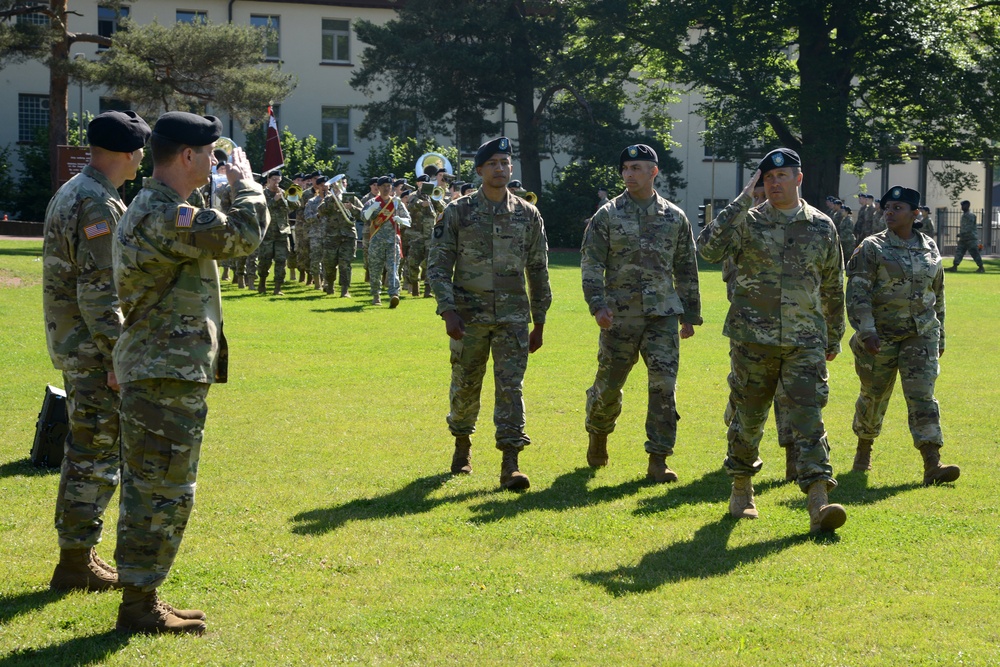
328 530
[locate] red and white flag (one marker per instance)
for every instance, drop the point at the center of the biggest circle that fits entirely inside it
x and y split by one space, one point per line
273 157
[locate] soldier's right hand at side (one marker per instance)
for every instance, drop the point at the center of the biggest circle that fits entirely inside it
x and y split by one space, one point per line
872 344
239 168
113 381
453 324
604 318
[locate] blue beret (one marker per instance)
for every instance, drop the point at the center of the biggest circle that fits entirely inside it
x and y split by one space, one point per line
899 193
118 131
384 180
637 152
491 148
778 158
187 128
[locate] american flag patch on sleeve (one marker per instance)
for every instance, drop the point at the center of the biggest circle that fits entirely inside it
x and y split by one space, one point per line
97 229
185 215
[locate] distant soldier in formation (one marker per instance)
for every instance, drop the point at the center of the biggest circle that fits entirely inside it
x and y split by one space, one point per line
878 221
968 240
275 245
640 280
484 250
340 238
82 324
423 214
172 348
785 322
865 218
845 230
366 226
315 232
895 303
385 213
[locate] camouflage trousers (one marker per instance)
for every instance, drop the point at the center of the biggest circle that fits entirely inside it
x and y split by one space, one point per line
416 260
90 467
316 252
247 266
915 360
383 255
338 254
302 257
508 344
277 250
781 407
657 340
971 247
162 426
755 372
293 251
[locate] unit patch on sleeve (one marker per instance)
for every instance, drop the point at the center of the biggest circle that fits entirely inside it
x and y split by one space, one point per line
99 228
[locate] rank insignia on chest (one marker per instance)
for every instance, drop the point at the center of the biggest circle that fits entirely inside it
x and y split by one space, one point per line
97 229
185 216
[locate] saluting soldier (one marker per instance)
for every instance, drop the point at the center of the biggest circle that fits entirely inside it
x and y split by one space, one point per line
171 350
482 248
784 324
895 303
82 324
640 280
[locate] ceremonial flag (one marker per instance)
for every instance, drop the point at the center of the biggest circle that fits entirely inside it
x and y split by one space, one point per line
273 157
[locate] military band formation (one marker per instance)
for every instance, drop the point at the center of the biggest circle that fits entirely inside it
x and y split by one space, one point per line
133 318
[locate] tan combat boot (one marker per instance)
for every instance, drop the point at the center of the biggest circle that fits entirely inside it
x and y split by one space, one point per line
823 516
863 455
393 301
241 282
414 289
934 472
277 287
658 470
741 505
344 293
302 275
461 460
597 450
791 463
511 478
262 286
82 570
291 275
427 290
143 612
225 274
376 300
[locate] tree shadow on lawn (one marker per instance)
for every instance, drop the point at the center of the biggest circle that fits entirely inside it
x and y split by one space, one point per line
409 500
25 468
75 652
705 555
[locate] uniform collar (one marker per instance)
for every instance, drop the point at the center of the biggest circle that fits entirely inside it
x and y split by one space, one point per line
98 176
897 242
158 186
625 201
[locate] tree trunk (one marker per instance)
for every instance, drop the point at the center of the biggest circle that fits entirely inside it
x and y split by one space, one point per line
58 92
528 134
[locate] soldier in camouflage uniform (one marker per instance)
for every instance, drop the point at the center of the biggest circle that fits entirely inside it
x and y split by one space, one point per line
314 231
275 244
878 221
366 227
785 322
895 303
301 232
968 240
82 323
340 238
423 215
863 224
385 215
482 248
171 349
640 280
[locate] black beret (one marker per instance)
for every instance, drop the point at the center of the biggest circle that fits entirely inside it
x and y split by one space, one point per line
118 131
423 178
373 180
276 172
838 202
899 193
848 209
491 148
384 180
514 184
221 156
637 152
781 157
467 186
187 128
399 181
321 179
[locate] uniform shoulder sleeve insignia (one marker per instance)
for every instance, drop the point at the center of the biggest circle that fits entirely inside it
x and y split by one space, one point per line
205 217
856 252
185 215
99 228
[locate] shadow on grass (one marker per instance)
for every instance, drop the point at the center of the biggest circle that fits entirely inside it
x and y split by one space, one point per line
712 487
21 252
25 468
356 308
705 555
89 650
853 489
409 500
566 492
12 606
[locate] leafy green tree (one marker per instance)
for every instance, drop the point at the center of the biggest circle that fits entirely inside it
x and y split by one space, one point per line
301 155
449 63
398 156
840 81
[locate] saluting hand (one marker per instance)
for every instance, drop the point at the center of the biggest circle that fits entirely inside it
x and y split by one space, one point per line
239 167
748 188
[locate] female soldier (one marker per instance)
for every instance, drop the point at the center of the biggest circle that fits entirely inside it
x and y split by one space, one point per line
895 302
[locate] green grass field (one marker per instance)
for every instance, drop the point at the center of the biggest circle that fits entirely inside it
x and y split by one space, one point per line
327 529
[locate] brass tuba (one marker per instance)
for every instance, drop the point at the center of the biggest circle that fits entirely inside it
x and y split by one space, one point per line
531 198
436 160
293 192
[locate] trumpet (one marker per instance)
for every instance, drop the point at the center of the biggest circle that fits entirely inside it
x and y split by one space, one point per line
531 198
293 192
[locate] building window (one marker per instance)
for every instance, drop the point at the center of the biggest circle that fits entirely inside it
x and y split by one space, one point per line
336 41
113 104
32 115
192 16
337 127
109 21
33 19
273 23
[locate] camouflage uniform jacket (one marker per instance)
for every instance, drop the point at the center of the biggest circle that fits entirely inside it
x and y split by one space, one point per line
82 317
279 207
641 262
863 225
333 218
479 254
168 282
968 230
788 289
894 289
